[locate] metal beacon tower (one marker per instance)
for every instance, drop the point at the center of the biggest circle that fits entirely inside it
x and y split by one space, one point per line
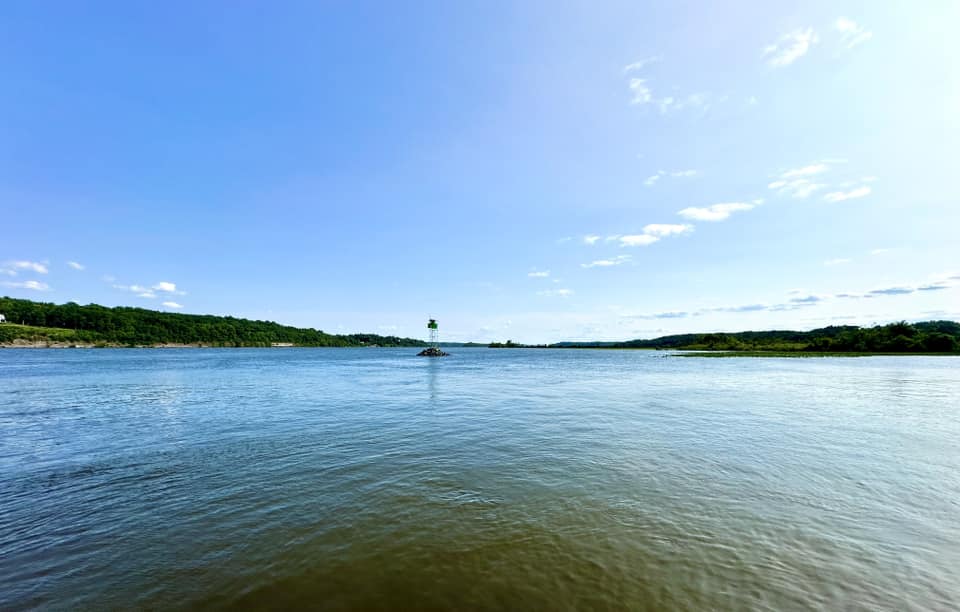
434 349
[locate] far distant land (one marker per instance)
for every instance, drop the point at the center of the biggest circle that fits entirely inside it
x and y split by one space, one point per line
41 325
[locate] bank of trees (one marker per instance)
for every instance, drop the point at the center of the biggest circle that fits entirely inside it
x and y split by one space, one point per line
901 337
139 326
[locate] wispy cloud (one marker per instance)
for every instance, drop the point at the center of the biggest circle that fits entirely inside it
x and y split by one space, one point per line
892 291
556 292
808 299
701 100
172 305
839 196
715 212
672 314
30 284
642 94
642 63
806 171
800 188
138 289
799 182
590 239
653 178
803 299
638 240
937 286
790 47
539 273
851 33
11 268
75 265
662 230
165 287
605 263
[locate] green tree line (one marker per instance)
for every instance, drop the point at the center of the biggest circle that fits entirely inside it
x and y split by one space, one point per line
901 337
139 326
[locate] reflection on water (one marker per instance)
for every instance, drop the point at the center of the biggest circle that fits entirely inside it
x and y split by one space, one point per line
432 367
491 479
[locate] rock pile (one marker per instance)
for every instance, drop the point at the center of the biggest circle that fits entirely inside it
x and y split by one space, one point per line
432 352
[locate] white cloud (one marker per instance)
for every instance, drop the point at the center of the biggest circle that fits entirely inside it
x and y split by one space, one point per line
798 183
880 251
790 47
556 292
806 171
839 196
605 263
11 268
75 265
540 274
665 229
638 240
30 284
140 290
652 179
803 299
641 64
851 34
837 262
801 188
590 239
172 305
716 212
701 99
151 292
642 94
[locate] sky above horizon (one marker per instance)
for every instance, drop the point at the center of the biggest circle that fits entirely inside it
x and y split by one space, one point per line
534 171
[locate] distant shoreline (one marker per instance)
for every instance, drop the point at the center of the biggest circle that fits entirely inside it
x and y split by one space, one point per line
40 344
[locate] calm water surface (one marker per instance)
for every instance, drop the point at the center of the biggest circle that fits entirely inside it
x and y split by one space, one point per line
519 479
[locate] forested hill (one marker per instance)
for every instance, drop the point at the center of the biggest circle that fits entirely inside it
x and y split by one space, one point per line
902 337
139 326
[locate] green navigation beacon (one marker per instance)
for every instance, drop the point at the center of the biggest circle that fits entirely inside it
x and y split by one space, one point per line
434 349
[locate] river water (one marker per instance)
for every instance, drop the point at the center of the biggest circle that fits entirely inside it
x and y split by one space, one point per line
491 479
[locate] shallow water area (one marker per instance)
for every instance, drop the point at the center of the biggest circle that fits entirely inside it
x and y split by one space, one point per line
489 479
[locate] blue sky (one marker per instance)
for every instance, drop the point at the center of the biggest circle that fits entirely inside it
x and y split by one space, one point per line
537 171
